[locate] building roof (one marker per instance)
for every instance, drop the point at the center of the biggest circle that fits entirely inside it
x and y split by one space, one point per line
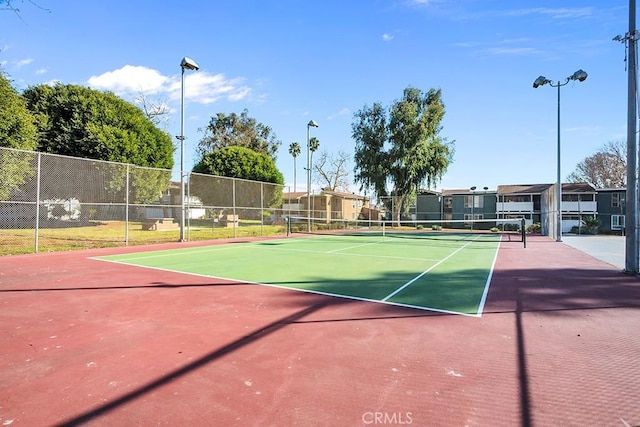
447 192
578 187
571 187
345 195
523 188
299 194
610 190
295 195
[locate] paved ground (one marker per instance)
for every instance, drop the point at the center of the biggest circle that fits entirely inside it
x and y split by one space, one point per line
610 249
85 342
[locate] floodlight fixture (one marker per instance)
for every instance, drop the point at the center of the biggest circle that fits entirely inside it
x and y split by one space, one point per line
540 81
312 123
189 64
580 76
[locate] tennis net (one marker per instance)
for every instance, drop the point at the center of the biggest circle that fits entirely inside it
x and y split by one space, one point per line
511 230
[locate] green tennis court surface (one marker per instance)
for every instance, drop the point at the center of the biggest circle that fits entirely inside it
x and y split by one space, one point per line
448 274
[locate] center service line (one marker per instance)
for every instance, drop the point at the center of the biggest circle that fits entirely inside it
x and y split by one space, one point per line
427 270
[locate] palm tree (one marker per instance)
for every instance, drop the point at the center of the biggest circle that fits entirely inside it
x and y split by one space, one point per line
294 150
314 144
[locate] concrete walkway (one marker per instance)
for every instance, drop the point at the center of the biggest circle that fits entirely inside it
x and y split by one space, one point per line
610 249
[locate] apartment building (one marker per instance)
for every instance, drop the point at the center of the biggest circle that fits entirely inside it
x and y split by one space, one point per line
327 204
536 203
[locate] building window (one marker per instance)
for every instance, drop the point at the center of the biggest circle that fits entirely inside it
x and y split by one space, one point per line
477 201
469 217
448 202
617 200
617 222
515 199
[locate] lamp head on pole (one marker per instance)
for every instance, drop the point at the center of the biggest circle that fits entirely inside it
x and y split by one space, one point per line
312 123
189 64
579 75
541 81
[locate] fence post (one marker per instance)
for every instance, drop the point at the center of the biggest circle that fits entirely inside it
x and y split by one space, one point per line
126 209
262 208
235 223
37 228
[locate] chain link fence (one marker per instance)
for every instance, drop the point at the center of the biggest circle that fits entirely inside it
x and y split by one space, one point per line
50 202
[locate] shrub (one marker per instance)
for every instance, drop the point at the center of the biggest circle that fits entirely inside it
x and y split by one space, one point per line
534 228
494 229
436 227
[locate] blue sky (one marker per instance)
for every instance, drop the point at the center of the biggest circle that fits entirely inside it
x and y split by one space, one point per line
288 62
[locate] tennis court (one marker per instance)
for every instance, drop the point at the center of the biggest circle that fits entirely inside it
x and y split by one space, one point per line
444 272
89 342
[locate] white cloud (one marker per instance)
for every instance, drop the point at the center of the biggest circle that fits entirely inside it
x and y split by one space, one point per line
387 37
342 112
23 62
130 79
200 86
555 13
41 71
518 51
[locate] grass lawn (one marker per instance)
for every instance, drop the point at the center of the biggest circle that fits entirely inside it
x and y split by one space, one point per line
113 233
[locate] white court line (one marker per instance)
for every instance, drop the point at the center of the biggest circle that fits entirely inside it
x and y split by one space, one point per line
291 288
427 270
483 300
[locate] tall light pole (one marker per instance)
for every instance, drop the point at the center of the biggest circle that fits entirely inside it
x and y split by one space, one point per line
541 81
473 202
631 224
309 125
185 64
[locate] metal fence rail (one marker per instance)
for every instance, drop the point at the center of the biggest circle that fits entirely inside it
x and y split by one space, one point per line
51 202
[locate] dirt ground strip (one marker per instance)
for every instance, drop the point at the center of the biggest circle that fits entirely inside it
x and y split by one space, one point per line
96 343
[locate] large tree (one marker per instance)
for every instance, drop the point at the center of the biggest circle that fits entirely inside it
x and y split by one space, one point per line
242 163
239 130
607 168
17 130
399 149
81 122
332 171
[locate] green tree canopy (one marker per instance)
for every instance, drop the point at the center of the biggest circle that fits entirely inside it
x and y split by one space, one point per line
243 163
240 162
238 130
17 128
81 122
400 148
